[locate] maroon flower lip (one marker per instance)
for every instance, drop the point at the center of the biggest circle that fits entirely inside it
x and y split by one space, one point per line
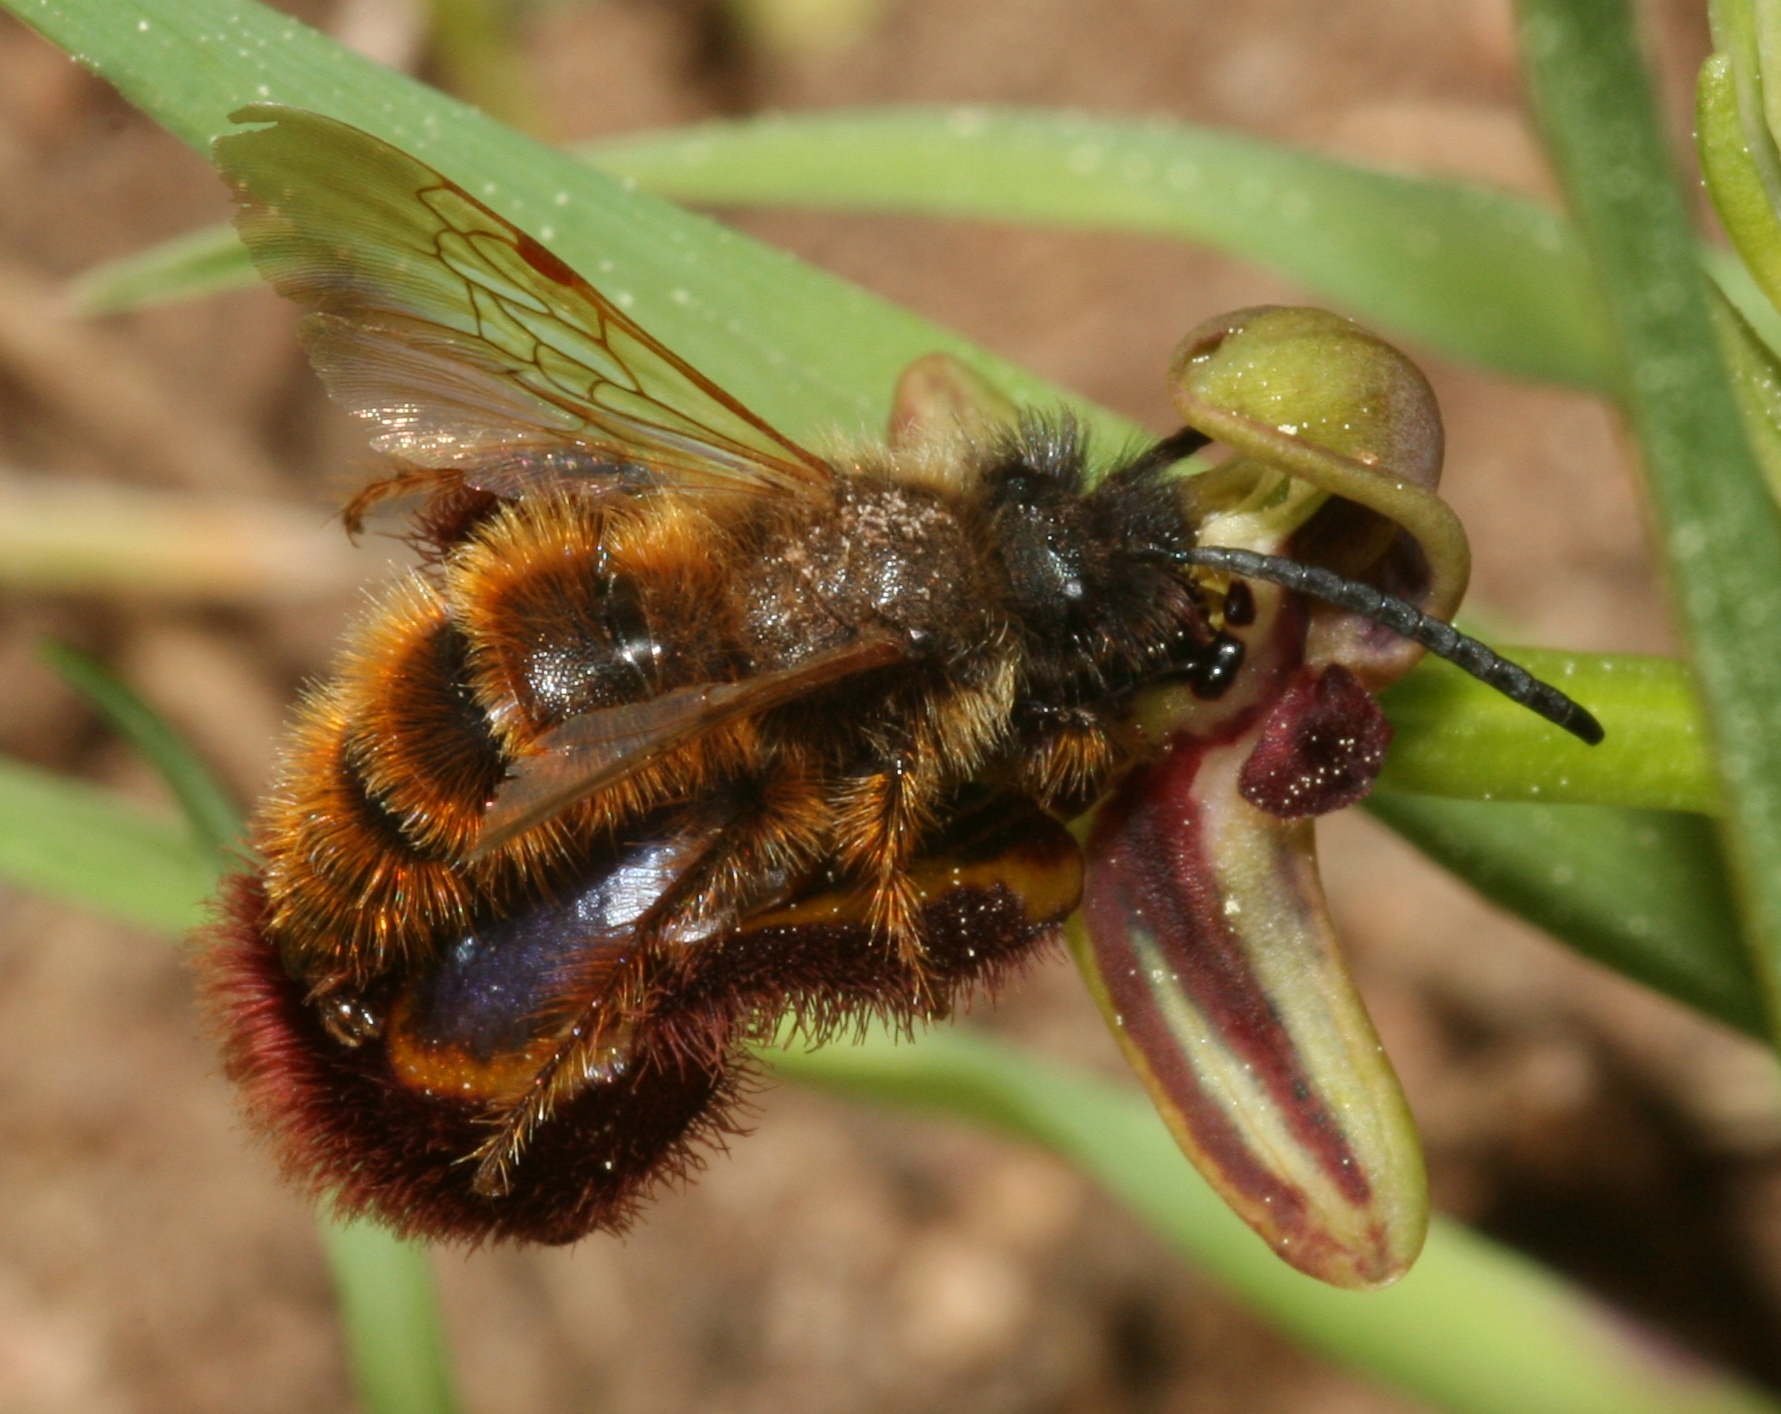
1321 747
1205 941
1204 935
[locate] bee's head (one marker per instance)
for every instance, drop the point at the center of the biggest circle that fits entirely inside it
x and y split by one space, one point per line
1040 524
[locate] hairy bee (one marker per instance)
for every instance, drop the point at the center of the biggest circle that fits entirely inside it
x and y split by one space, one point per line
681 728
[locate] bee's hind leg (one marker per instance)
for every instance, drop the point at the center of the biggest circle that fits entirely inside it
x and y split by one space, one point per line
776 832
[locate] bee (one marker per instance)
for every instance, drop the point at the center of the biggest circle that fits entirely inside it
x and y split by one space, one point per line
680 728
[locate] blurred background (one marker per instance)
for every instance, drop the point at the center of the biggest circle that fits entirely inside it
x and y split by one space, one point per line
840 1259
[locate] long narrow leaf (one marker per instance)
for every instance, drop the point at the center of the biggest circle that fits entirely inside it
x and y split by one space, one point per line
1643 891
207 261
1720 533
1738 156
1457 737
394 1328
78 842
1472 1328
1478 274
207 806
1755 371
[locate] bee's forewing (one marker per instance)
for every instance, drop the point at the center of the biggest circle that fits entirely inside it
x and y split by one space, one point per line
597 749
1205 938
459 335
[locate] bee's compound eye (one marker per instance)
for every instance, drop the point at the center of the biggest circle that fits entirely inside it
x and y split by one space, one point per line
1223 661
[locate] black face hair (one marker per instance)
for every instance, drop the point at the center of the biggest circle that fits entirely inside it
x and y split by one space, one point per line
1441 639
1164 454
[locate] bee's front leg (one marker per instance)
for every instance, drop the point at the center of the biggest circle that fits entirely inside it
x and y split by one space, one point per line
1067 755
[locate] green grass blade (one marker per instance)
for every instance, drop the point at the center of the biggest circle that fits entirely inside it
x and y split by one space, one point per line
760 323
1719 528
74 841
389 1307
1741 291
394 1329
212 815
1478 274
202 262
1737 155
1643 891
1755 372
1457 737
1473 1329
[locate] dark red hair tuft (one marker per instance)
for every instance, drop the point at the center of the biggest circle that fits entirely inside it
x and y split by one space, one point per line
345 1129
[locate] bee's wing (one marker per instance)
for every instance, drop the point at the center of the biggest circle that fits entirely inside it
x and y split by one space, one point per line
600 748
464 339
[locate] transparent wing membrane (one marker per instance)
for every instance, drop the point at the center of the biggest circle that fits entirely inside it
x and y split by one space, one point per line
459 336
598 749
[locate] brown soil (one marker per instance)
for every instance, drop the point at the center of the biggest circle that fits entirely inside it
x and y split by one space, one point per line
840 1259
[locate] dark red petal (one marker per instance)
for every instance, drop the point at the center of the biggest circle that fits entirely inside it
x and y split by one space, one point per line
1209 948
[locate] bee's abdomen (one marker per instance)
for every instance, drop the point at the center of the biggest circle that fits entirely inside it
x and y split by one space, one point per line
571 606
548 610
383 785
417 738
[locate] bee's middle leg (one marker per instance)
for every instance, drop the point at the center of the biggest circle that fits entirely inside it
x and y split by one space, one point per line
881 815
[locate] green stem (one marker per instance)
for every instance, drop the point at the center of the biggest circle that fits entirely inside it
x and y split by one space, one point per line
394 1332
1720 538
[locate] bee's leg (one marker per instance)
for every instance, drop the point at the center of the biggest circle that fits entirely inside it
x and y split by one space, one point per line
881 815
1067 757
594 1044
778 831
947 729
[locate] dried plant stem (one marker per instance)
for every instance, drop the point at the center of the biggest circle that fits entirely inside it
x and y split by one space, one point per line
100 385
67 536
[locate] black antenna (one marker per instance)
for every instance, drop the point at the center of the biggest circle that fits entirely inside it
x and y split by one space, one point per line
1441 639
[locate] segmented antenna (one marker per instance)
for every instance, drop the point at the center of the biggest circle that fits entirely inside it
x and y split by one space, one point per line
1441 639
